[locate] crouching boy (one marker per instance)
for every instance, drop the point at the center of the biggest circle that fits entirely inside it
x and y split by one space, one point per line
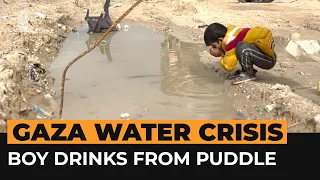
248 46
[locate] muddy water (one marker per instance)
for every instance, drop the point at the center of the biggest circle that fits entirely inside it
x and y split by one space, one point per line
149 76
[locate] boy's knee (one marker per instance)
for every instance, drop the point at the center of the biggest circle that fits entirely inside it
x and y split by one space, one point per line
240 47
271 65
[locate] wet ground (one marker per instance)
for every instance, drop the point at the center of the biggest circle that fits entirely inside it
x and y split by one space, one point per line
145 74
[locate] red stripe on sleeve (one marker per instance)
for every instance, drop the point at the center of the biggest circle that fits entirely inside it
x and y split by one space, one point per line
239 38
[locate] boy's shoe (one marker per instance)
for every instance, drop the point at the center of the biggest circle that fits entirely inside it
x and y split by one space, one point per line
238 72
243 77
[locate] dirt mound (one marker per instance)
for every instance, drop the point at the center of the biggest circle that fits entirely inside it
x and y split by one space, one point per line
31 35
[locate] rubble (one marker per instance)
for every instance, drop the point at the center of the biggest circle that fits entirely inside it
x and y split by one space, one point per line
270 107
295 36
125 115
40 15
293 48
281 87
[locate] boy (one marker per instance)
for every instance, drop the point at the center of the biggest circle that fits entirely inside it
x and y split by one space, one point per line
249 46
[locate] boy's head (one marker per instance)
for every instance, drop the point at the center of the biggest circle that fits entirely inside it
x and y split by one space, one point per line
213 36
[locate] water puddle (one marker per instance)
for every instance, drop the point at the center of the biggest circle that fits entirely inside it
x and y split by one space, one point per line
149 76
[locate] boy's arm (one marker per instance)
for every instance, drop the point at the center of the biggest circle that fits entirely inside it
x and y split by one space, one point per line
229 61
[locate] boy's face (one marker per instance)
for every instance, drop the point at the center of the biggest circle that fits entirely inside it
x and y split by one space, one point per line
216 48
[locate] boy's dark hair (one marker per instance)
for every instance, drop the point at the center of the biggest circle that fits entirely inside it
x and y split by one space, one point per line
213 32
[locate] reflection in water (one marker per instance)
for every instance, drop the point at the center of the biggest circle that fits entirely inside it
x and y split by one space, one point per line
185 76
104 46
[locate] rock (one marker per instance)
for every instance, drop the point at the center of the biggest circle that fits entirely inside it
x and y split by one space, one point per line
48 96
294 49
270 107
33 59
64 28
41 15
309 46
317 118
59 25
125 115
295 36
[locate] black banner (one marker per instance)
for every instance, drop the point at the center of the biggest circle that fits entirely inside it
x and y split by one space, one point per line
299 157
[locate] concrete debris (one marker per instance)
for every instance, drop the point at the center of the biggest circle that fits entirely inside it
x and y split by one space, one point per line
293 48
125 115
64 28
298 47
40 15
295 36
309 46
270 107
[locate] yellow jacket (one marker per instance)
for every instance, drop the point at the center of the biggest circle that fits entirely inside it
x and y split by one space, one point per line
259 36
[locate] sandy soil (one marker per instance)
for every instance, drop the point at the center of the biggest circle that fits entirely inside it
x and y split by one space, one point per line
294 98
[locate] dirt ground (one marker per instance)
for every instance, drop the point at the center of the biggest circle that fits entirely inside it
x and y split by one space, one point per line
290 87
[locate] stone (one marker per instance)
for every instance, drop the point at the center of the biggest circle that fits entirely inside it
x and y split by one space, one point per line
270 107
64 28
125 115
40 15
294 49
309 46
295 36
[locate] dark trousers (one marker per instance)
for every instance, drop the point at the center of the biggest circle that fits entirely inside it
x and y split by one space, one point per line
249 55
